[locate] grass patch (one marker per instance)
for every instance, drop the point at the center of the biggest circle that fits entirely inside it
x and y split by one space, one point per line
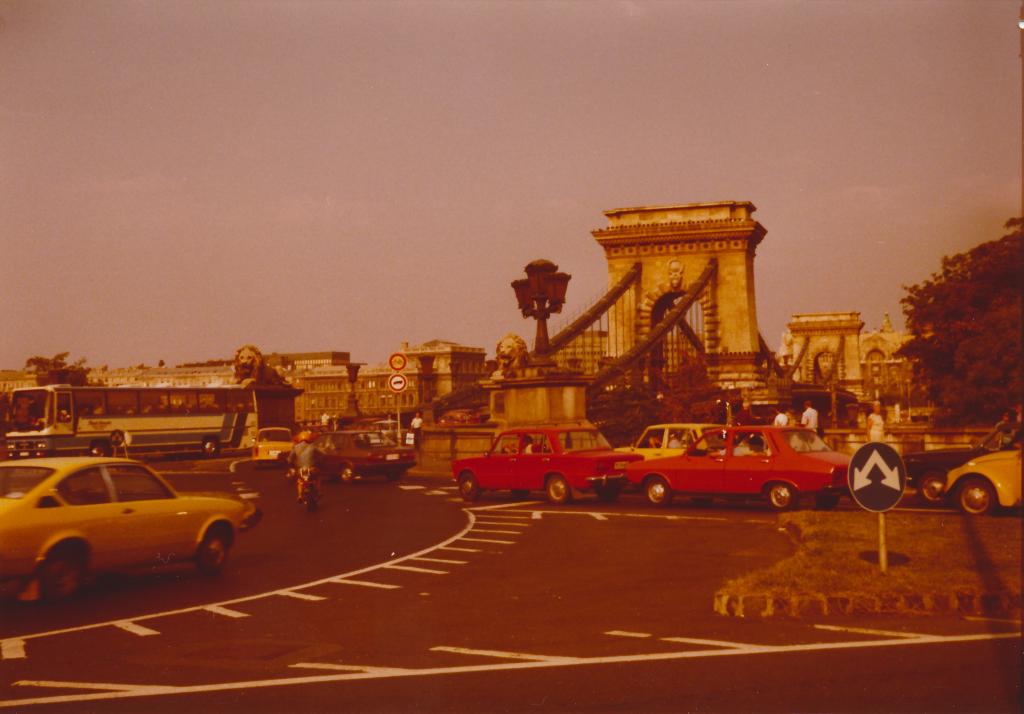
928 554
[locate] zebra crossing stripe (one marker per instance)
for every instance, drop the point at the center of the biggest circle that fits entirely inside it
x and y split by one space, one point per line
136 629
12 649
218 610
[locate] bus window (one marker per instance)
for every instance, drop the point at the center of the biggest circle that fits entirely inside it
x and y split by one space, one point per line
211 402
183 402
28 409
63 407
239 401
89 403
153 402
122 403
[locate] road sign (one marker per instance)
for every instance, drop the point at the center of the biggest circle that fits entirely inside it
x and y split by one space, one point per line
397 362
877 477
397 382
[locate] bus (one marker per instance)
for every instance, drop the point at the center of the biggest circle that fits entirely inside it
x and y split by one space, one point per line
61 420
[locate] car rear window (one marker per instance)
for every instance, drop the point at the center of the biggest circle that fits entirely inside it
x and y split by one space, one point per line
582 440
275 435
16 481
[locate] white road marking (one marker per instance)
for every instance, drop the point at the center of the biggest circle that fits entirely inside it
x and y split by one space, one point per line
461 550
506 655
507 517
299 596
135 629
413 569
507 533
990 619
442 560
12 649
497 667
154 688
436 492
366 584
345 667
226 612
454 500
249 495
864 631
712 643
503 524
488 540
410 487
623 633
599 516
536 515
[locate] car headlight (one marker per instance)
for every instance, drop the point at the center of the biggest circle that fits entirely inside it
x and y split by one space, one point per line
41 445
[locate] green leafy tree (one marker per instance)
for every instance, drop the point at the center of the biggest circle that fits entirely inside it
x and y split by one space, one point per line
965 323
56 370
622 411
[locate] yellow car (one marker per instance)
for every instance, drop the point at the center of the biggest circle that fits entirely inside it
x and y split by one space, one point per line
987 482
272 445
64 518
660 440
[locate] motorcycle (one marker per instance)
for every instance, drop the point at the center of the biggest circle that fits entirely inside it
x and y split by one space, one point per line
308 487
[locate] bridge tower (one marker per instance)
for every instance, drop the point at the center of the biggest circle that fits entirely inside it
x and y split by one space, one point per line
673 246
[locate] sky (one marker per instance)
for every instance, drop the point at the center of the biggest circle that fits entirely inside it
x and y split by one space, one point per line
181 178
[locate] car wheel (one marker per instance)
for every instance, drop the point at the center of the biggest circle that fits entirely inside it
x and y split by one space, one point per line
826 501
469 489
657 490
61 574
931 487
347 475
977 497
607 493
212 553
782 496
558 489
211 447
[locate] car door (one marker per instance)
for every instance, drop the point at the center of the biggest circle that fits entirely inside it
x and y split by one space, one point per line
160 524
700 470
533 463
496 470
92 512
749 462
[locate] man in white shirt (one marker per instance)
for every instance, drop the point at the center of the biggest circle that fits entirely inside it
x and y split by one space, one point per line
781 418
809 418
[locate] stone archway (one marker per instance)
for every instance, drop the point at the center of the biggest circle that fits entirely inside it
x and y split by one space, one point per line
674 245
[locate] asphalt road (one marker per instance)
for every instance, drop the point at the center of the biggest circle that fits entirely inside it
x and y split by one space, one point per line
395 597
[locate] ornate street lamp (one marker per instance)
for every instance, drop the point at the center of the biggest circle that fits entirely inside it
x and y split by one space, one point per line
541 294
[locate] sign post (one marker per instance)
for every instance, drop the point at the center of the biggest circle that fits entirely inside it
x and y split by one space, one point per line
877 477
397 383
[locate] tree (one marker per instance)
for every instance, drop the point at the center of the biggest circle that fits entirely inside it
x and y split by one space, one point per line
56 370
965 323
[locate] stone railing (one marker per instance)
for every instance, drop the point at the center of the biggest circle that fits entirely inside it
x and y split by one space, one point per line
907 438
440 445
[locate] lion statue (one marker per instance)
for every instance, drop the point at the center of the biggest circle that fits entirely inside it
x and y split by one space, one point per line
512 355
250 368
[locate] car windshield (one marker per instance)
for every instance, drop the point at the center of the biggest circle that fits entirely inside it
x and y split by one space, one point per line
804 441
582 440
275 435
375 438
16 481
28 410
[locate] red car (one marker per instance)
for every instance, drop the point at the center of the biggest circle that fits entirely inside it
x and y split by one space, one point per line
777 464
349 454
556 459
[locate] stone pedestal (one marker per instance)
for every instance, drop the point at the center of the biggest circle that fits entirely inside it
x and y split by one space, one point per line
538 396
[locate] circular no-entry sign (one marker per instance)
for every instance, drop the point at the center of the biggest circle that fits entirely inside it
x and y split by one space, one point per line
397 382
877 477
397 361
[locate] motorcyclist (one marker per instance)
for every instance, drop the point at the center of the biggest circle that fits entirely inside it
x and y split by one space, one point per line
304 455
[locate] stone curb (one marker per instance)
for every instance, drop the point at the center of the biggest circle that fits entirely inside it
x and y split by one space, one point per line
820 605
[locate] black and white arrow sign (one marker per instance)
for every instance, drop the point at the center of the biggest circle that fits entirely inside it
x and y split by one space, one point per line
877 477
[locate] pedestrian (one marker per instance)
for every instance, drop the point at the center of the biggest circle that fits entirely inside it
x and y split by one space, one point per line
781 418
809 419
876 423
745 416
417 428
